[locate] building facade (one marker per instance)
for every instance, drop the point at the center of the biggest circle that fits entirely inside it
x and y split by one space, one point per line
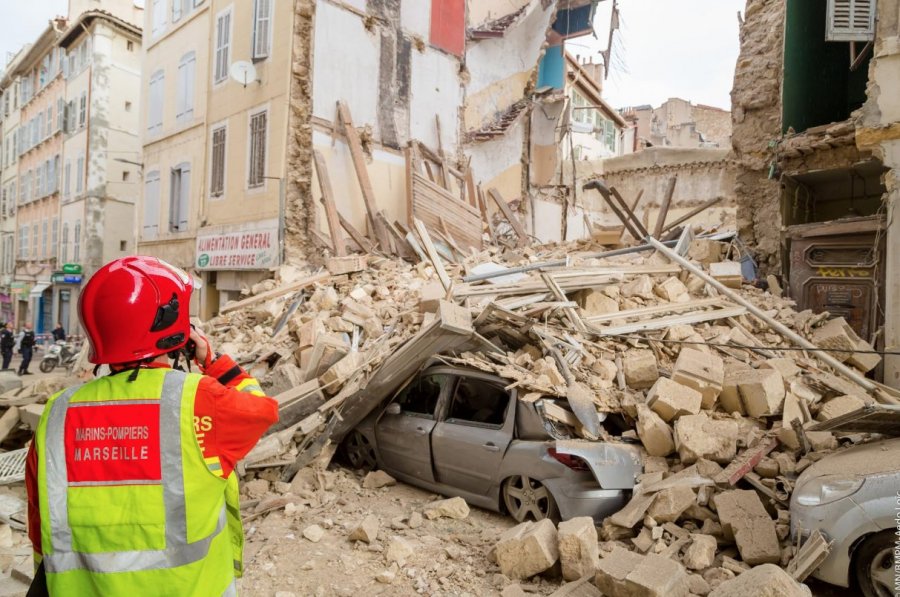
679 123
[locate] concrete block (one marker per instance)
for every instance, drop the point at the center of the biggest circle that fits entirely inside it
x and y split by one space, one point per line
594 302
706 251
430 297
9 381
367 530
455 508
640 368
838 335
840 405
527 549
745 520
698 436
767 579
30 414
701 553
629 574
655 434
578 548
701 371
865 362
613 569
786 366
730 398
670 400
727 272
762 392
671 503
642 287
673 290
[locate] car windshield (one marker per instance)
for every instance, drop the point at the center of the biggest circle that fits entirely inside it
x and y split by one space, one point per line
421 395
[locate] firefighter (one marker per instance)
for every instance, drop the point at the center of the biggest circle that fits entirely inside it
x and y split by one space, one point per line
130 478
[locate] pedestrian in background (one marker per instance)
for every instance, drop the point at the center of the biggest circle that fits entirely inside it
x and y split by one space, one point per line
7 342
26 348
59 333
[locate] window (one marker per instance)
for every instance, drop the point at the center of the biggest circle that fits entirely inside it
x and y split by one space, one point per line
34 241
179 197
64 245
129 46
79 175
158 14
125 175
39 129
76 249
128 106
15 143
184 99
217 173
155 98
223 46
23 242
8 253
257 166
67 180
150 226
422 394
477 401
70 116
49 130
850 20
54 236
176 10
39 184
262 28
54 169
44 239
60 114
123 245
82 109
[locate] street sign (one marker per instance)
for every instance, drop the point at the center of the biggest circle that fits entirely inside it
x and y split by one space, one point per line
71 268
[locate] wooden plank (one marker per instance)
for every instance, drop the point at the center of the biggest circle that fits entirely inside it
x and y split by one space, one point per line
510 217
485 216
810 556
356 235
274 293
692 213
558 413
449 237
410 153
331 214
470 187
432 255
571 313
657 310
430 203
664 322
664 209
629 213
362 174
745 461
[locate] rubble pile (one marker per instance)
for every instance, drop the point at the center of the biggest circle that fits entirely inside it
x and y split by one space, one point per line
719 401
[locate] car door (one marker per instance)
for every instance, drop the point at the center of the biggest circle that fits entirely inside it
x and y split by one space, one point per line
471 438
404 439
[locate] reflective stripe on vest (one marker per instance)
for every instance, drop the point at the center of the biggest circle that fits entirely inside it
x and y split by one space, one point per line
178 552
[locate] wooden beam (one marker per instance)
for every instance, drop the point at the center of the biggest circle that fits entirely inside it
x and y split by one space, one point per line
510 217
692 213
334 222
362 174
658 310
410 166
482 205
356 235
275 292
628 212
665 322
664 209
433 255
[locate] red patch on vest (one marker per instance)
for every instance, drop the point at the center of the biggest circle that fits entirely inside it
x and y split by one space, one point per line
110 443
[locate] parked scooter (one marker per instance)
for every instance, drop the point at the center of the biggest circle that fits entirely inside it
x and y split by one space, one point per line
59 353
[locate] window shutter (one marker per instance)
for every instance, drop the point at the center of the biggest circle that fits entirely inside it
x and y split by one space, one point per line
850 20
151 205
223 46
262 13
176 10
184 197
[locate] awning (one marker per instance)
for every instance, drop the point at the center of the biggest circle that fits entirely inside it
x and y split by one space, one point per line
38 289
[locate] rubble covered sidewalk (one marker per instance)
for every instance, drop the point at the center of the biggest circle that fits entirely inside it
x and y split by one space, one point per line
718 381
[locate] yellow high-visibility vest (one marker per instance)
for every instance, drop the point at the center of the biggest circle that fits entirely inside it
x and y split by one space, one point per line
128 504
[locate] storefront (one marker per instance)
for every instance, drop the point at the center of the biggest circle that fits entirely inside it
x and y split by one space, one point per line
232 258
66 288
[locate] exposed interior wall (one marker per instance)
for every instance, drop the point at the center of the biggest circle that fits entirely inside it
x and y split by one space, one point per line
879 131
482 11
497 163
756 119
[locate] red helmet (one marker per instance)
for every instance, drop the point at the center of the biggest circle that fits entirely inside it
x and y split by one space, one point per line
135 308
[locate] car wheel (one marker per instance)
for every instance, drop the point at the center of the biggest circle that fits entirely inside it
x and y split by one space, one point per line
525 498
359 451
873 565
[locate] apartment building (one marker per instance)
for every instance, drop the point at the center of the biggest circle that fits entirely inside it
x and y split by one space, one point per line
100 178
42 99
9 183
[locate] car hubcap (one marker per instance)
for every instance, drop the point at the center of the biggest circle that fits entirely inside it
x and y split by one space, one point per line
525 496
881 571
359 452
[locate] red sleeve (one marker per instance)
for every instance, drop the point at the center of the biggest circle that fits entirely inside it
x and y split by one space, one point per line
34 509
229 422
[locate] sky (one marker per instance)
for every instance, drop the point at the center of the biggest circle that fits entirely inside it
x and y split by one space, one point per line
21 21
667 48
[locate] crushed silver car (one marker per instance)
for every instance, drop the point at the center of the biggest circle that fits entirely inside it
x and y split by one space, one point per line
853 498
460 432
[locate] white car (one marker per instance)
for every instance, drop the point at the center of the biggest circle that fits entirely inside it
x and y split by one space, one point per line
853 498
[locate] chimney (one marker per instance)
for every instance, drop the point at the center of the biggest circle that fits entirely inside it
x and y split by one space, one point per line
595 71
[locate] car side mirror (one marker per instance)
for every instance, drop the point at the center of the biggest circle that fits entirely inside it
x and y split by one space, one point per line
392 409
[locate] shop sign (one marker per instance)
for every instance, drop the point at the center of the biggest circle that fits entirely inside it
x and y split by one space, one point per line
251 246
19 288
71 268
62 278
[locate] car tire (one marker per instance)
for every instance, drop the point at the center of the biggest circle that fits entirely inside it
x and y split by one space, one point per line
873 565
359 451
524 498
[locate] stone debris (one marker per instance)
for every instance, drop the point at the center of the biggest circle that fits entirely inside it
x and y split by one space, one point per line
578 549
451 508
767 579
377 480
367 531
527 549
314 533
745 521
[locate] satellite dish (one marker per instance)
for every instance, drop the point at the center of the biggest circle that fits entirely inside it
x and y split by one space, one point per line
243 72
